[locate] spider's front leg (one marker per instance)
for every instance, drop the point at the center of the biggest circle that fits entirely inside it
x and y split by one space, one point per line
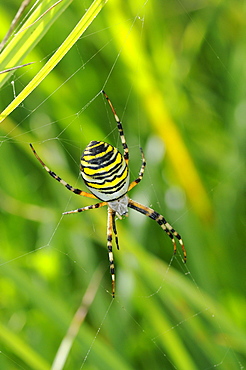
141 172
120 128
59 179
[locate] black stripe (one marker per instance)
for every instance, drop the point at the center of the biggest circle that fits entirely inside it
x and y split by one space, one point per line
100 162
99 181
95 142
104 158
138 209
117 171
96 149
108 189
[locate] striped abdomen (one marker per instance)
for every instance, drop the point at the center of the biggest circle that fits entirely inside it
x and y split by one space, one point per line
104 171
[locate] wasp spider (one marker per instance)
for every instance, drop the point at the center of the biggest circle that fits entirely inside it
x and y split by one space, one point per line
105 172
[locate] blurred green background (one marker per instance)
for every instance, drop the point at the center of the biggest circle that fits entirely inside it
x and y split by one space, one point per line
175 73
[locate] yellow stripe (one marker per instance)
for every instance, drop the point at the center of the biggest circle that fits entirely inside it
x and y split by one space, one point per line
89 148
109 168
97 144
89 157
113 183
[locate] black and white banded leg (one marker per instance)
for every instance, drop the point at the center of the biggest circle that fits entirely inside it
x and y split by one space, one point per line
171 232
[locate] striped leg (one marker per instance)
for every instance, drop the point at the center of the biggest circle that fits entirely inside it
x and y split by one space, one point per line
109 244
115 231
64 183
93 206
141 172
161 221
120 128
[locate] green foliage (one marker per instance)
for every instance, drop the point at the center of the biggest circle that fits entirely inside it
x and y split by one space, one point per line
176 76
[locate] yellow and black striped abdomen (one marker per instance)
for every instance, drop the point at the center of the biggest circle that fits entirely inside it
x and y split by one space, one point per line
104 171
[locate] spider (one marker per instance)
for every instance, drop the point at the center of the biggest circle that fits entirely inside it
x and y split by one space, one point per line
105 172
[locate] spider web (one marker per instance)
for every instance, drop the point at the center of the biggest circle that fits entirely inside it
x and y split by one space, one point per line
170 317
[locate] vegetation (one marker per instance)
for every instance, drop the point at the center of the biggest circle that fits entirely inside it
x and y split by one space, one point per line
175 73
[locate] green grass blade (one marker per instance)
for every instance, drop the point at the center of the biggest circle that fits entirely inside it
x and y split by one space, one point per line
30 34
22 350
79 29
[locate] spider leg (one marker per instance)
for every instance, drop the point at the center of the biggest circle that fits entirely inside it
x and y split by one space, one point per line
141 172
120 128
115 231
93 206
109 245
161 221
64 183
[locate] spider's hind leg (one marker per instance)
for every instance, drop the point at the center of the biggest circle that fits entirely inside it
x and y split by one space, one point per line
162 222
86 208
177 236
115 231
110 229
